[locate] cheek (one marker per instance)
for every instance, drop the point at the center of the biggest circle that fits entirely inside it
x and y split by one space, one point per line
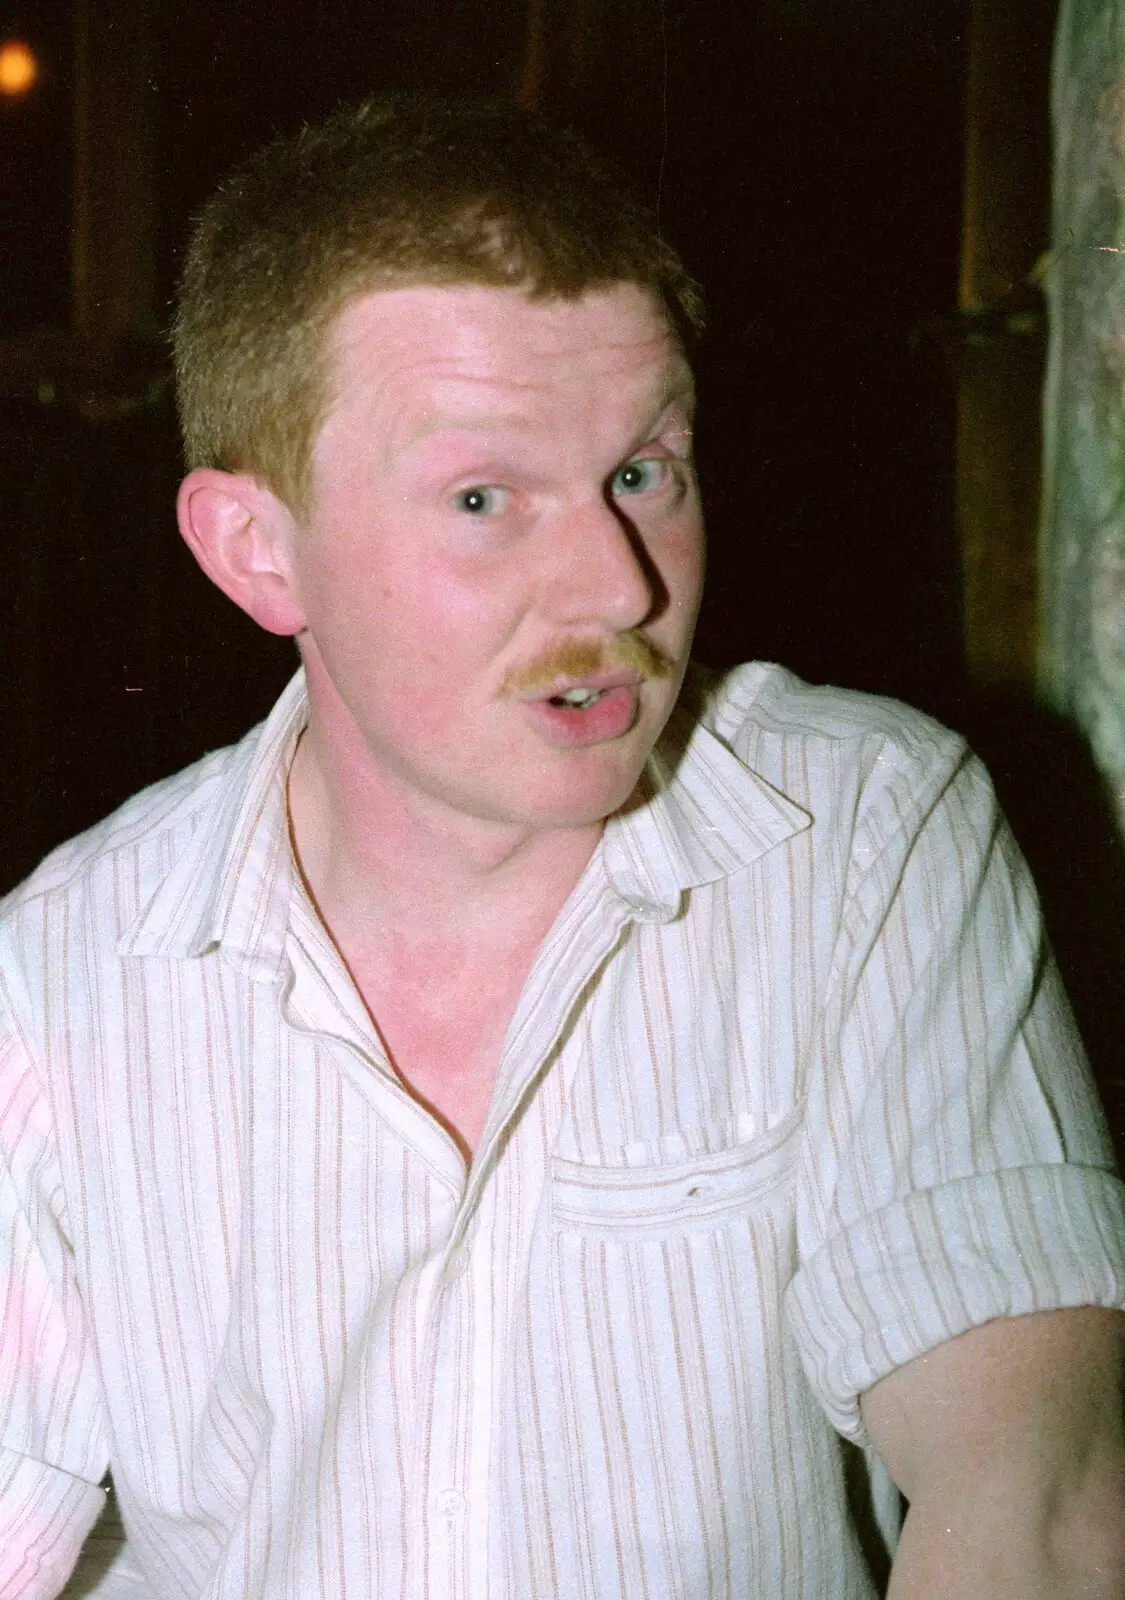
460 609
419 636
386 594
683 565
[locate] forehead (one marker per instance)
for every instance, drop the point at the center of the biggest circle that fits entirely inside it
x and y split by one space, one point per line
477 346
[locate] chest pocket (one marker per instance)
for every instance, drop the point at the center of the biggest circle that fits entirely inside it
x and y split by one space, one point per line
660 1386
692 1192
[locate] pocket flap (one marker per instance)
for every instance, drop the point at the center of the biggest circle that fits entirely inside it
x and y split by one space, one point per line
681 1194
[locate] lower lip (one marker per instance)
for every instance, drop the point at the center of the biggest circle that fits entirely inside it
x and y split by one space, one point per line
611 715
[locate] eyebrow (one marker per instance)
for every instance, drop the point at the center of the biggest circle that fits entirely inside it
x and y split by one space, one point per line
454 422
678 386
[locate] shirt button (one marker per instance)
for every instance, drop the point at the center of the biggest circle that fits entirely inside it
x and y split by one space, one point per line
449 1503
648 911
457 1265
632 890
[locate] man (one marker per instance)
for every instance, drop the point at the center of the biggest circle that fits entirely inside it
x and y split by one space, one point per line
502 1128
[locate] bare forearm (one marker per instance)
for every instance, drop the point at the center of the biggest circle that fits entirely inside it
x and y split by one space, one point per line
965 1555
1010 1445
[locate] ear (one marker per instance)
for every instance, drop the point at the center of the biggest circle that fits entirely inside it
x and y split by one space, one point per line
241 534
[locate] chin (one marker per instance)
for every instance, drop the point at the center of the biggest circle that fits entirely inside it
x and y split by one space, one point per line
582 804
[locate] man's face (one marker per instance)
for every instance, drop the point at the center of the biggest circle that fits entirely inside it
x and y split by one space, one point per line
504 512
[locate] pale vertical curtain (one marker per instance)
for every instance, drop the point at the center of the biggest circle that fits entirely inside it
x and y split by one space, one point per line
1083 538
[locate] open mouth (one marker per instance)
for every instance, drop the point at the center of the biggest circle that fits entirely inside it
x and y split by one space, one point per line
586 713
577 699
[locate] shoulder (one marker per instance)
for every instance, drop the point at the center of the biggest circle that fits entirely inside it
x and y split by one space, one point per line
759 702
800 736
879 782
144 832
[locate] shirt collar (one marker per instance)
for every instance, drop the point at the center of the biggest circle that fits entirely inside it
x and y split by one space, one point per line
231 887
698 814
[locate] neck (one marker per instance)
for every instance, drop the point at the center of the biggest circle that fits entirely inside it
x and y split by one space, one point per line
379 859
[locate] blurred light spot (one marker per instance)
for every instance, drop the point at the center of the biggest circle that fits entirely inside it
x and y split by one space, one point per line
18 67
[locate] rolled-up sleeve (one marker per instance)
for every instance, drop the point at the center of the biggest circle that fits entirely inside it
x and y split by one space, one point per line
52 1440
957 1166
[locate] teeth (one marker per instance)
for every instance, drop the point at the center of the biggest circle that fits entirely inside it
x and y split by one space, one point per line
579 697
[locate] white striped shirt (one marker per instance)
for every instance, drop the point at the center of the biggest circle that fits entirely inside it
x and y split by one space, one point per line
791 1095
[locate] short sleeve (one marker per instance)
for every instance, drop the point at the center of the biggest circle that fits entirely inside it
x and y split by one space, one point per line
957 1166
52 1446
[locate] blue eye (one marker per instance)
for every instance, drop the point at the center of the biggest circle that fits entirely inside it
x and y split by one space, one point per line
481 500
635 477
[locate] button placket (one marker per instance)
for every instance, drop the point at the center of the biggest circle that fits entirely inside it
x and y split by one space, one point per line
457 1264
450 1411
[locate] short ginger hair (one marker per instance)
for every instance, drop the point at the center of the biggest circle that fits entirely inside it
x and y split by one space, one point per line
395 192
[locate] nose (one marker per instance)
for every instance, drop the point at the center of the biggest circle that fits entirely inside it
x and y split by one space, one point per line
604 575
